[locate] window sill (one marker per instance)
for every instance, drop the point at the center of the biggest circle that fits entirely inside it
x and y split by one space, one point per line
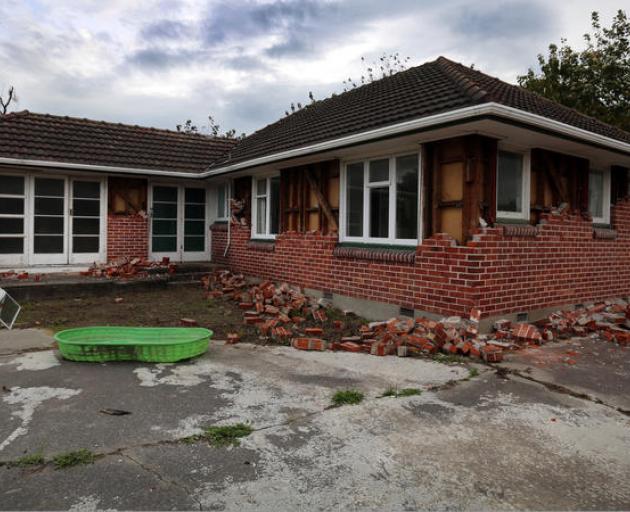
604 233
262 244
219 225
389 254
519 230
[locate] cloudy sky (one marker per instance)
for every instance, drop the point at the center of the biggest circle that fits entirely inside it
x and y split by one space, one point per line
159 62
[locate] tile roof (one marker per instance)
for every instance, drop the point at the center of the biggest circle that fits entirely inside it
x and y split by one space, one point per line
432 88
30 136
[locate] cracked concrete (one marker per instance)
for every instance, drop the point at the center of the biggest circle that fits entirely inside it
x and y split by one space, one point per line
497 441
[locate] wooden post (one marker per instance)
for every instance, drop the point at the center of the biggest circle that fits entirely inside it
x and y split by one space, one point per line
323 202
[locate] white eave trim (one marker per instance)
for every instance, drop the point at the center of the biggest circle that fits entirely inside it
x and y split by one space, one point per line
462 114
98 168
426 122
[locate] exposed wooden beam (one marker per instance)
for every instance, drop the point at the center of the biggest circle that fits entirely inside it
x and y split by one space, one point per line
323 202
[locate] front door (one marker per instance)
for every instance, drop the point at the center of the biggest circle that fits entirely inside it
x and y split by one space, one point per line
179 223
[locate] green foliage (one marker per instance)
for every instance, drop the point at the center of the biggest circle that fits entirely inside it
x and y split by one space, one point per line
347 397
396 393
472 373
595 80
69 459
227 434
34 459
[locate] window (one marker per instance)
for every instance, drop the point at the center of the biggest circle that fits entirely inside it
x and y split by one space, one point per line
512 185
12 195
380 200
599 196
266 207
223 201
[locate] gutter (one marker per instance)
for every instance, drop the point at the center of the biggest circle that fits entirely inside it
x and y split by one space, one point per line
466 113
485 109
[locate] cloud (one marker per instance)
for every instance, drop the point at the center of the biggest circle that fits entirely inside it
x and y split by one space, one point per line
159 62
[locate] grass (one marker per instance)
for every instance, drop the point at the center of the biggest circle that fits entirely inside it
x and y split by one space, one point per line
69 459
396 393
34 459
449 359
472 373
347 397
226 435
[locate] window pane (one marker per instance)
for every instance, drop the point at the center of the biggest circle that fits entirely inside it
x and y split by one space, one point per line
164 243
261 216
86 189
12 185
195 211
195 195
86 208
194 243
354 199
596 194
261 187
168 194
11 225
221 201
164 211
11 205
379 212
85 226
407 197
48 244
83 244
48 206
194 227
49 225
379 170
11 245
164 227
274 206
510 182
49 187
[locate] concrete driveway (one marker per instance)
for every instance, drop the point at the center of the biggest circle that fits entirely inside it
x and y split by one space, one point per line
496 441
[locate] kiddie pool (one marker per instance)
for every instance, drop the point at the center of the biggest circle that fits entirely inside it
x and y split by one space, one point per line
146 344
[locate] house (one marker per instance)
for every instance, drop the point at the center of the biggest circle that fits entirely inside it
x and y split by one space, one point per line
433 191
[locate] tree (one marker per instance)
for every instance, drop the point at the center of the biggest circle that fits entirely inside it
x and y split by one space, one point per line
387 65
4 103
595 80
212 130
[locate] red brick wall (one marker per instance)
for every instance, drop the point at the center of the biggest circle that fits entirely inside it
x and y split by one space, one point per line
127 236
562 264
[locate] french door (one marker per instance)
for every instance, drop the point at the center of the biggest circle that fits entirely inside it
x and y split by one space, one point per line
179 223
51 220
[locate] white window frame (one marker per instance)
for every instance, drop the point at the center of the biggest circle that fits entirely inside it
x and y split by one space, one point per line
225 189
18 258
524 214
392 184
605 197
254 206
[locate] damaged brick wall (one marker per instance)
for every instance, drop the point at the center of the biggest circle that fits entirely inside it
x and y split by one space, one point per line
562 261
127 236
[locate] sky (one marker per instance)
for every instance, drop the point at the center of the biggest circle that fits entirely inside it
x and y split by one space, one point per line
160 62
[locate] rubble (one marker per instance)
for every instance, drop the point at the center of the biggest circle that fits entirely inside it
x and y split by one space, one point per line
282 312
130 268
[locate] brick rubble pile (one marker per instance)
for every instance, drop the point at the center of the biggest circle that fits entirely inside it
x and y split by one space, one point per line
130 268
279 312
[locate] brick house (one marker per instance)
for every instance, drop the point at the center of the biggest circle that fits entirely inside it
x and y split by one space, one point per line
432 191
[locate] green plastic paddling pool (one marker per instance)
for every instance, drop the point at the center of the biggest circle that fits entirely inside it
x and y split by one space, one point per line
146 344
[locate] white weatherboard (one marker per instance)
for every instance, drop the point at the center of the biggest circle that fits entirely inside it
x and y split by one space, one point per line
9 309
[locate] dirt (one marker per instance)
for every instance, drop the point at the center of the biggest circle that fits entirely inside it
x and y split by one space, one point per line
164 307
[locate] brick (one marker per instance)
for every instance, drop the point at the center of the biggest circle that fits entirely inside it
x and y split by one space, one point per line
309 344
233 338
188 322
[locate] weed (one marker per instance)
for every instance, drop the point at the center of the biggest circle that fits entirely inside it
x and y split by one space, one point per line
395 392
34 459
347 397
449 359
472 373
227 434
69 459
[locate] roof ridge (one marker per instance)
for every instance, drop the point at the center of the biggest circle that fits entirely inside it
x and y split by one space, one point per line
197 136
466 84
